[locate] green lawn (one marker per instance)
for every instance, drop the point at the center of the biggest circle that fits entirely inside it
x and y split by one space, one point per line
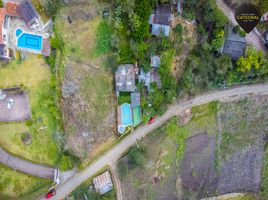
85 40
15 185
34 75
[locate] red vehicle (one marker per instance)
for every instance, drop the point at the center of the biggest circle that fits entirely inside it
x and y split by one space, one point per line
51 193
151 120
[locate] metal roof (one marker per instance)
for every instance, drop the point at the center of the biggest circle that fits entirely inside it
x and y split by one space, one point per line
234 45
125 78
163 14
103 183
27 11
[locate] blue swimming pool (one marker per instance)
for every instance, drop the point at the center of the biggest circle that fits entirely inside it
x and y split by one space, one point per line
29 41
126 114
18 32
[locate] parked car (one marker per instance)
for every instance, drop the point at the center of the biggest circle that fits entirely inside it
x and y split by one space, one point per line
51 193
151 120
10 104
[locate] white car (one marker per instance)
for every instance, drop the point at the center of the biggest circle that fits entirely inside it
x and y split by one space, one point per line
10 104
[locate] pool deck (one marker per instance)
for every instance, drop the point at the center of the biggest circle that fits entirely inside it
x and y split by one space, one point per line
16 23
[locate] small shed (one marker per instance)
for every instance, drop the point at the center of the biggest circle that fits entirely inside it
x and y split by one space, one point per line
103 183
234 45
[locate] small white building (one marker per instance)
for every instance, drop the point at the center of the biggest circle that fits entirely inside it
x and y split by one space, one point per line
103 183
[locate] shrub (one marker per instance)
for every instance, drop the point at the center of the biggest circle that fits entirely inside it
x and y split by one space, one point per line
29 122
122 168
242 33
124 97
1 3
236 29
52 7
104 37
137 157
65 163
178 29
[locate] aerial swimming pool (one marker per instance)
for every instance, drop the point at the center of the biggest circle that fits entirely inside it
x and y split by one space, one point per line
126 114
29 41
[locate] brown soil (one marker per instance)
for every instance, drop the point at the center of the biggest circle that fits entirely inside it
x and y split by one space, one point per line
89 118
198 162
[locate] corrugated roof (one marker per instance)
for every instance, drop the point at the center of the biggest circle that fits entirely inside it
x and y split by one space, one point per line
27 11
163 14
234 45
103 183
12 9
158 29
125 78
2 18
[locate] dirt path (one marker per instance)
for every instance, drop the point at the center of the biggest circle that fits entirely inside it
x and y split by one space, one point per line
117 182
252 37
116 152
25 166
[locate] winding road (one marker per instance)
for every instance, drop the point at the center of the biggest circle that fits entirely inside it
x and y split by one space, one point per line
25 166
252 37
116 152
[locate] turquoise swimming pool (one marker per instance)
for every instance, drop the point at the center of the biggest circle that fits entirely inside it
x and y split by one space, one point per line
126 114
29 41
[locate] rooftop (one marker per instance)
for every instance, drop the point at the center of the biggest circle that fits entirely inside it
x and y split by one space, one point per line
125 78
12 9
155 61
135 99
162 14
103 183
234 45
2 19
27 11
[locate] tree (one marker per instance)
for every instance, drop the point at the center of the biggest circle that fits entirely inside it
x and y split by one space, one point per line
52 7
252 61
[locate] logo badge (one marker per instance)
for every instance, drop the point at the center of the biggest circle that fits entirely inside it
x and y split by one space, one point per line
247 16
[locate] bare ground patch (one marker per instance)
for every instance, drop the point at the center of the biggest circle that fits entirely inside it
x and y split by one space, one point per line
198 163
20 111
89 109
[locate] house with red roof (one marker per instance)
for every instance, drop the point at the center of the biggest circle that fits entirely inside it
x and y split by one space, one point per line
20 22
4 52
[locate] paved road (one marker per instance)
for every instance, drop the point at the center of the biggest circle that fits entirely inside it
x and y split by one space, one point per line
25 166
116 152
252 37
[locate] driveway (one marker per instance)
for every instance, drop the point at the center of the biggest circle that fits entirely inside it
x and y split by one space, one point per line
25 166
20 111
116 152
252 37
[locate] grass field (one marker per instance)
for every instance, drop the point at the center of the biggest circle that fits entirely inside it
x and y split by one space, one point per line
34 75
85 39
15 185
91 107
156 172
